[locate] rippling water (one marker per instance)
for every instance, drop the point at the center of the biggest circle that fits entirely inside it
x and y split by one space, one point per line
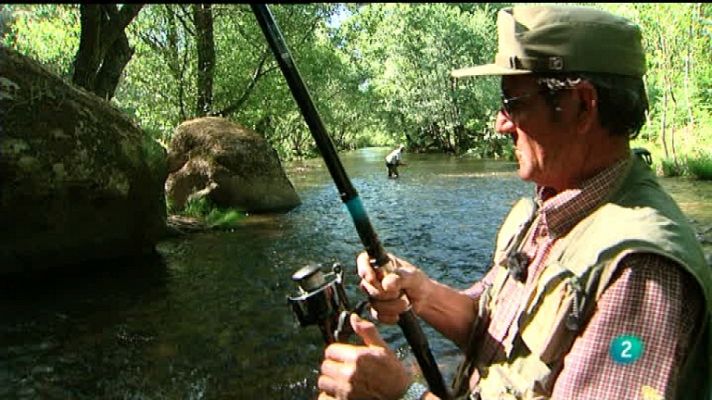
207 318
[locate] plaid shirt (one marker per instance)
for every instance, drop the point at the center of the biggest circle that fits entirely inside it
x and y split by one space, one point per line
650 297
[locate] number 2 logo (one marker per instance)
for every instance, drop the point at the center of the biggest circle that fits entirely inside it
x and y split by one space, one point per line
627 345
626 349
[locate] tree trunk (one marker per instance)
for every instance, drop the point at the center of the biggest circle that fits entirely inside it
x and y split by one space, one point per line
203 19
694 13
110 71
663 116
86 61
174 51
663 122
672 137
104 49
648 121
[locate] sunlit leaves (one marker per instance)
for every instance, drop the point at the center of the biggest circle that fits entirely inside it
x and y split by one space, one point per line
409 50
378 72
678 45
48 33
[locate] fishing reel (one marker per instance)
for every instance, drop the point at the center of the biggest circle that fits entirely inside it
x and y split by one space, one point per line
322 301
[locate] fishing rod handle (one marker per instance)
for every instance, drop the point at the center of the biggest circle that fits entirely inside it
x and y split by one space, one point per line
416 338
407 320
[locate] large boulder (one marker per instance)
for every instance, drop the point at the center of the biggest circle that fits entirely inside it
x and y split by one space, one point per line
78 180
229 164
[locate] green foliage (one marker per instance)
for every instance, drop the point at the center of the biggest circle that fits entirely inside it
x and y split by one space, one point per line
214 217
700 165
406 52
671 167
48 33
170 207
377 72
677 39
158 82
223 218
697 165
197 207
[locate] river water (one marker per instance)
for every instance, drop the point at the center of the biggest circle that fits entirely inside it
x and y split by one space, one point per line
207 317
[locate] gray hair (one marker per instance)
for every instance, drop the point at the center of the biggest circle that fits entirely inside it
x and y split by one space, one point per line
622 100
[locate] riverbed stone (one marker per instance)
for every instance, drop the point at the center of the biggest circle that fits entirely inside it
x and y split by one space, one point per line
229 164
79 181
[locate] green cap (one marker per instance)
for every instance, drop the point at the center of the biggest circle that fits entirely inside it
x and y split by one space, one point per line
553 38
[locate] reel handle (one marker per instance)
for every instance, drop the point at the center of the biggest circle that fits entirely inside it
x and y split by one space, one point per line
323 303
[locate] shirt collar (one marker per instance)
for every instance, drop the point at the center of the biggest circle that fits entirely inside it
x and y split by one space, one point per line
561 211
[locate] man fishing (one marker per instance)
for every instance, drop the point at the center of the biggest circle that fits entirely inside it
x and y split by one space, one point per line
598 288
393 160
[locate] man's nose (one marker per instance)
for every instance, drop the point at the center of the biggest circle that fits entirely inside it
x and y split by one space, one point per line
503 124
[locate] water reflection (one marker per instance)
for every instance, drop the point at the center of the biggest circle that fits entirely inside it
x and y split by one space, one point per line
208 319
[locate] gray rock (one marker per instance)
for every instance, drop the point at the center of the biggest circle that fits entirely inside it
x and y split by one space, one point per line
231 165
78 180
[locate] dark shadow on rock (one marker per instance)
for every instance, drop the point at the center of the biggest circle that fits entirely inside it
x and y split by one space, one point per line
79 180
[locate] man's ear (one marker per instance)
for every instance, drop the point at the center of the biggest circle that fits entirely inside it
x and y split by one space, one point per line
588 105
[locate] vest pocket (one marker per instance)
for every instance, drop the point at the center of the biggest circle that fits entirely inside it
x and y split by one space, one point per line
525 378
543 324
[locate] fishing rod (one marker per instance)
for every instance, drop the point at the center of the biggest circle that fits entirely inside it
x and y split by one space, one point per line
407 320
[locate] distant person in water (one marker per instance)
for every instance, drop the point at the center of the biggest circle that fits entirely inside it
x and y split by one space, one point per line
393 160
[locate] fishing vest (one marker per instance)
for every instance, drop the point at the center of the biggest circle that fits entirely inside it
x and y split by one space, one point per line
638 217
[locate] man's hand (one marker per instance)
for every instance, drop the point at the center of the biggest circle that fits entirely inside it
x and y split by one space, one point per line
386 289
371 371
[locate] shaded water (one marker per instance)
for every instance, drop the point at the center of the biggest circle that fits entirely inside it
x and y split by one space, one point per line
207 318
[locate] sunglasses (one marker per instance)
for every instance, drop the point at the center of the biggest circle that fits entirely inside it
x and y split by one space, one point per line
510 104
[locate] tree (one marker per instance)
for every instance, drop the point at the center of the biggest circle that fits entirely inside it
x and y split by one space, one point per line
203 20
408 51
48 33
104 48
377 72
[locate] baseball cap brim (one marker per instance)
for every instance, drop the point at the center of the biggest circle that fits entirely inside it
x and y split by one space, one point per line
487 69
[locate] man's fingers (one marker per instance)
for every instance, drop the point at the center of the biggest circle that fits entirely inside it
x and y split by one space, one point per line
384 318
365 269
379 292
342 352
336 370
330 388
391 283
367 331
371 290
391 306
